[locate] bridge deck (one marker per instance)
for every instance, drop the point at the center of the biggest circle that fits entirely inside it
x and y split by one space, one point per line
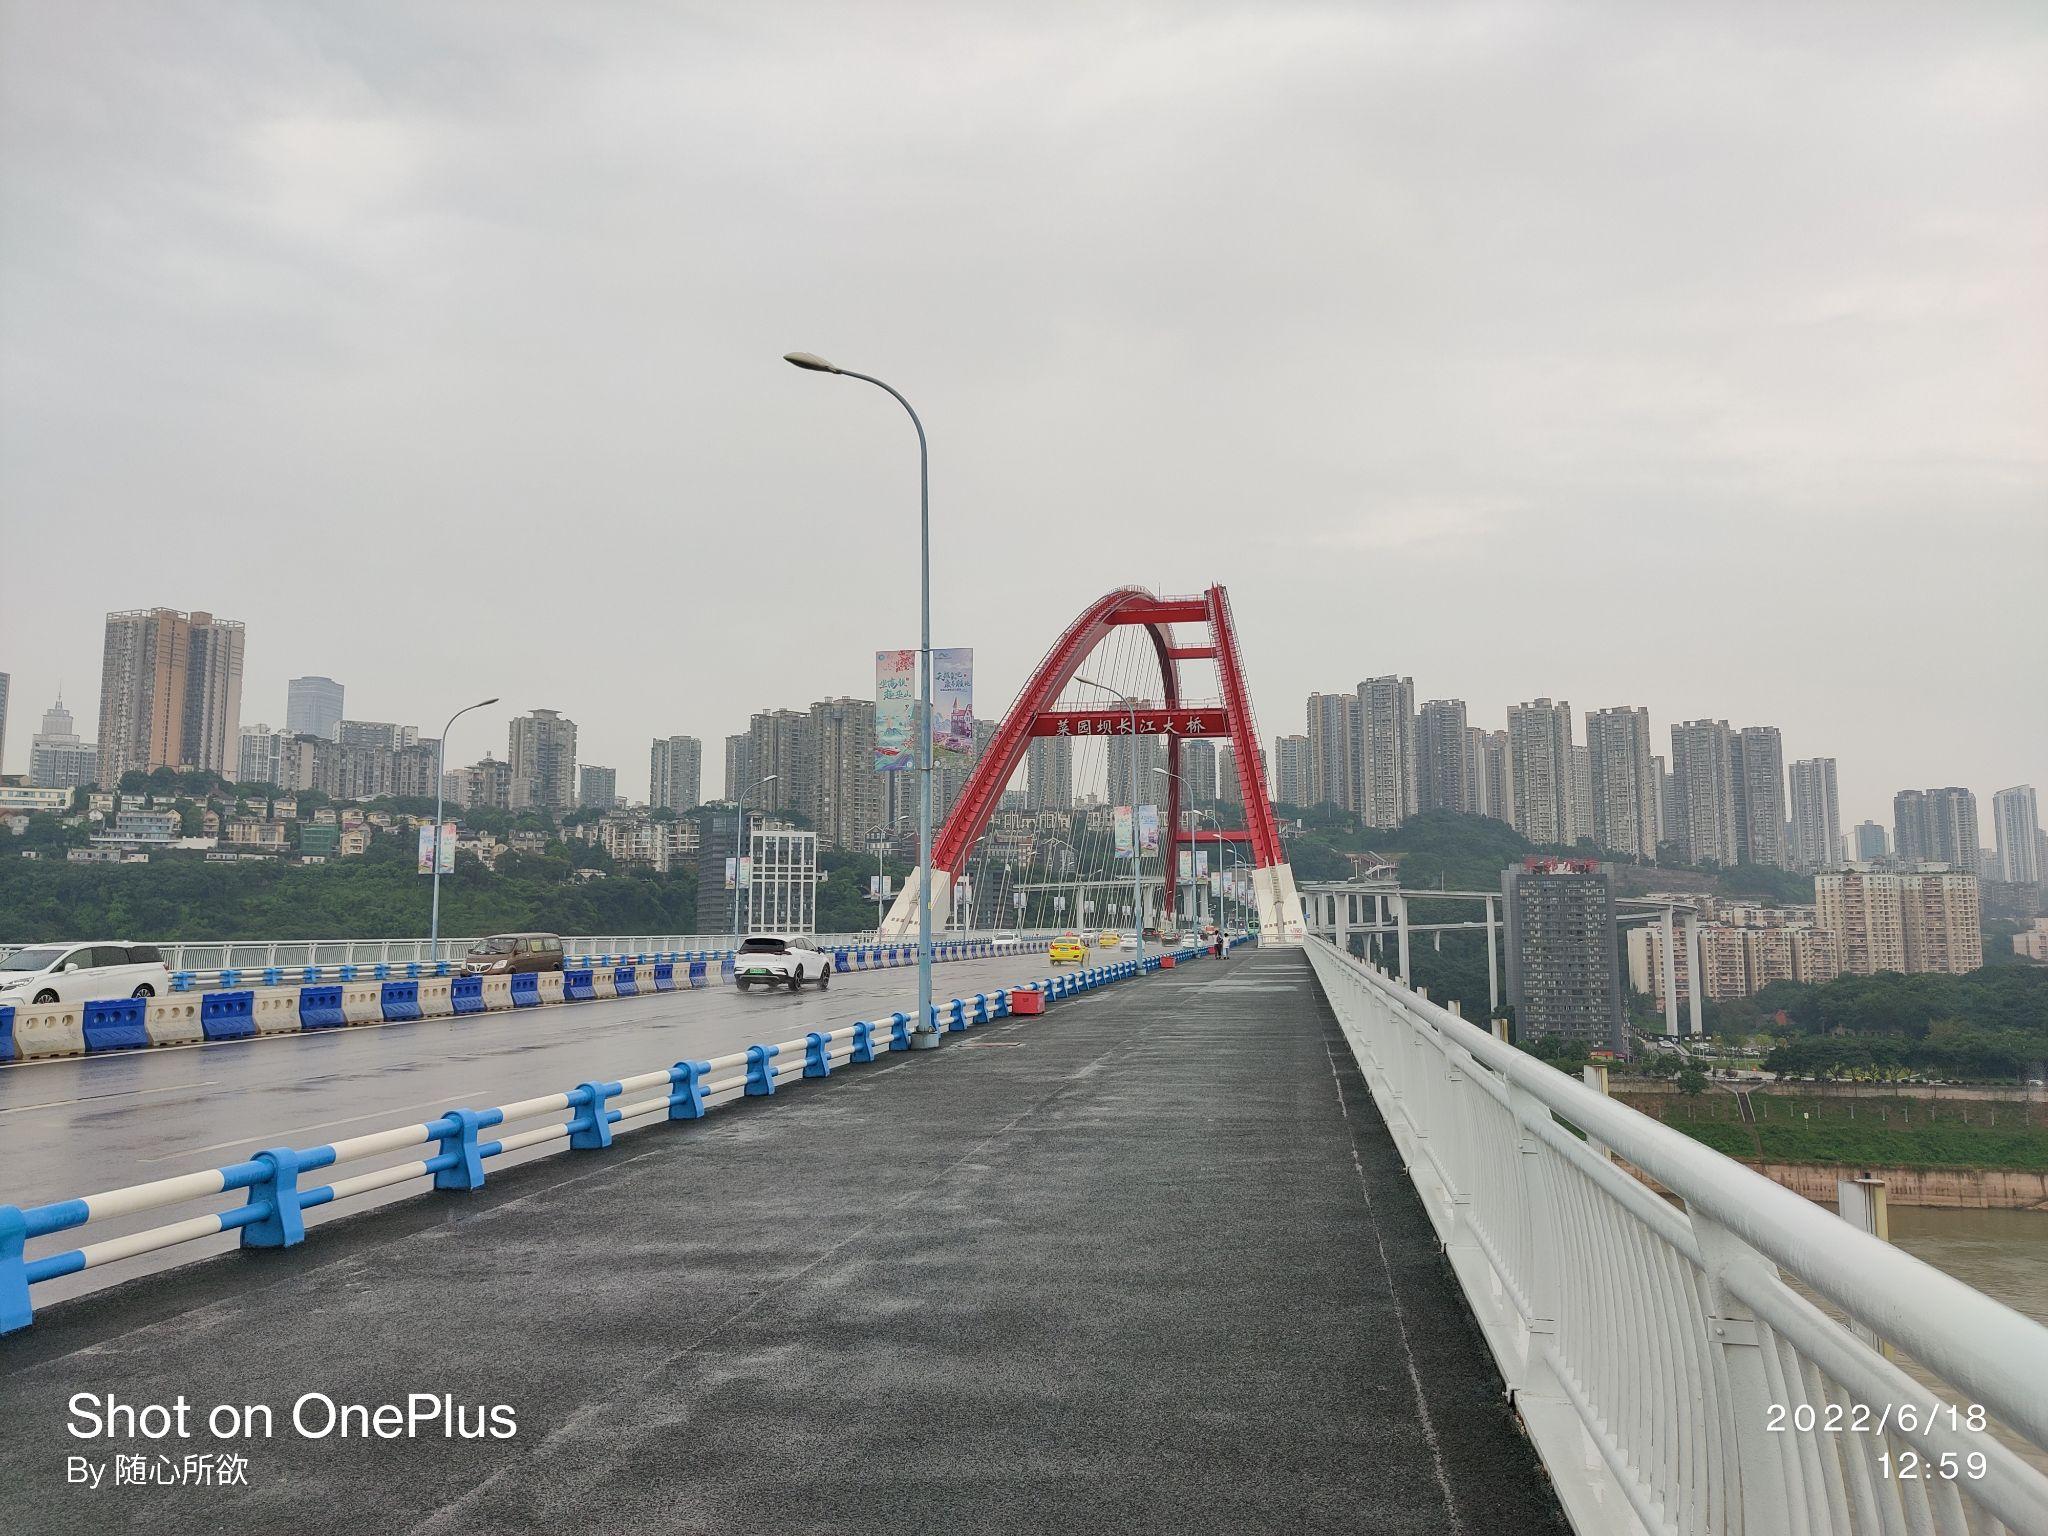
1154 1267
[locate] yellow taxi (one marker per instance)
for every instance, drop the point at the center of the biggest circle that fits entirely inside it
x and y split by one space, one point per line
1110 939
1067 949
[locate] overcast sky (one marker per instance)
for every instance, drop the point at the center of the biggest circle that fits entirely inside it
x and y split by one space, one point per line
1686 356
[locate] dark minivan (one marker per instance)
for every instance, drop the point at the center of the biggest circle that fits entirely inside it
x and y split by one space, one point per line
504 953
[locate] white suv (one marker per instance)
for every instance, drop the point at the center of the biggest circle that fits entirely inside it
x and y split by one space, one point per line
81 973
781 960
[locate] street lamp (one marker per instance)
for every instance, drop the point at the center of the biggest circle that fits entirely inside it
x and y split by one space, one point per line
739 827
1137 889
879 837
1061 842
440 773
924 1035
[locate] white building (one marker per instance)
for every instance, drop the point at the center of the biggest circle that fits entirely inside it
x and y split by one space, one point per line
2016 822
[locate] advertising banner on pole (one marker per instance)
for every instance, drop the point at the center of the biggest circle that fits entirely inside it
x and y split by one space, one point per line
1148 828
1017 900
895 710
746 871
731 872
1059 904
1216 885
426 850
447 847
1123 831
1201 863
1187 865
953 703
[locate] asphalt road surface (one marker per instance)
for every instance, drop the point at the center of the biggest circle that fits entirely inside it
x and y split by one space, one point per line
79 1125
1147 1263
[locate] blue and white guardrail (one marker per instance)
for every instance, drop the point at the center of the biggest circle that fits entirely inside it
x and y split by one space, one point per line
388 995
456 1145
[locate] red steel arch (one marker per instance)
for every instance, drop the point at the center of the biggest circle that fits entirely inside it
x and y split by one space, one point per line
1033 714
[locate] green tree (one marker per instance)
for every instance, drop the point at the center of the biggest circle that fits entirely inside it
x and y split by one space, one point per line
1692 1082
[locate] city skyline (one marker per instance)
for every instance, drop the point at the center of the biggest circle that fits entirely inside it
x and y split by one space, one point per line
1811 389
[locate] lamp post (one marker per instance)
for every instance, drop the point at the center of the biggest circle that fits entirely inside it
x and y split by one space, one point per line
739 830
1216 821
881 840
440 773
1137 888
1061 842
924 1034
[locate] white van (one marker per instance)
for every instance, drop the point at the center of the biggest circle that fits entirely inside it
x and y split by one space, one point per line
81 973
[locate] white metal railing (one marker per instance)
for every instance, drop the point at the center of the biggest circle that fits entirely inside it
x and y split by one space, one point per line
1671 1376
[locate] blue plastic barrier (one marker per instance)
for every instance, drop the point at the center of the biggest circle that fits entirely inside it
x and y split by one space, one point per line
841 961
7 1051
578 986
320 1007
401 1001
116 1024
525 989
725 970
227 1015
626 981
664 976
466 994
697 976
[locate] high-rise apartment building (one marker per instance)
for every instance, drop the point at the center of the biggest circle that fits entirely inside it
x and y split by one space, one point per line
1152 783
1198 774
1943 920
1445 772
1049 773
1952 829
1911 843
313 707
57 759
2016 823
1869 844
1564 973
486 785
1386 753
675 773
1228 790
1816 815
1757 776
1580 828
1703 780
1333 743
543 757
739 764
1540 753
5 685
379 735
780 751
170 693
1293 777
259 755
1496 776
1624 792
846 791
1860 908
598 789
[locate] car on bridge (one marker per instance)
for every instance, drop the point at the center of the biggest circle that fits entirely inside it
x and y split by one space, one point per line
510 953
1067 949
787 960
1111 939
82 973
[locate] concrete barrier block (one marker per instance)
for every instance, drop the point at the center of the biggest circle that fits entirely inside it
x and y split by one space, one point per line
604 983
174 1020
362 1002
548 984
437 997
275 1011
644 979
49 1029
497 991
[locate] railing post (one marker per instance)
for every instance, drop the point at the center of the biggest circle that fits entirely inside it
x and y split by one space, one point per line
817 1057
761 1070
1540 1278
1760 1474
591 1126
467 1172
278 1190
686 1089
16 1310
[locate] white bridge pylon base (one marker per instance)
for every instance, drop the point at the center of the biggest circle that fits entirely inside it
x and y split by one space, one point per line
1280 919
901 923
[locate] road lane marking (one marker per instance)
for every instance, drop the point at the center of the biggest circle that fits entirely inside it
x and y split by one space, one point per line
395 1109
124 1093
